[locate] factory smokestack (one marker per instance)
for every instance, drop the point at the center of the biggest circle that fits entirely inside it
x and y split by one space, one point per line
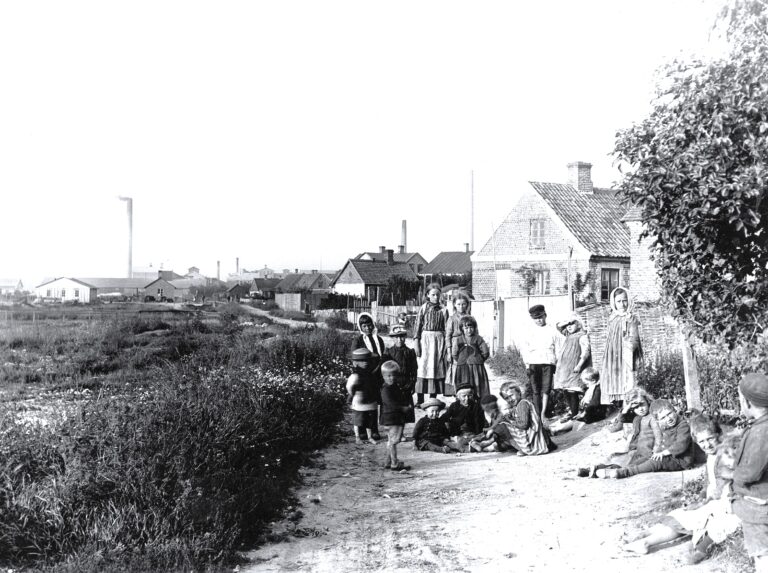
403 238
129 202
218 270
237 266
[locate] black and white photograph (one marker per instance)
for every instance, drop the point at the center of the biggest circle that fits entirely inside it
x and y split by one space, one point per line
343 286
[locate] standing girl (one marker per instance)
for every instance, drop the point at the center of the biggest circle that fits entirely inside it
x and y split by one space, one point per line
574 356
623 355
429 344
469 355
452 332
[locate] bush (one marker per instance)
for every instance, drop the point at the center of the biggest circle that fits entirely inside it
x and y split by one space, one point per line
509 364
179 474
339 321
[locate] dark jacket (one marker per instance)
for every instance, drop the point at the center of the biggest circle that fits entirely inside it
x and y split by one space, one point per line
395 405
465 419
433 431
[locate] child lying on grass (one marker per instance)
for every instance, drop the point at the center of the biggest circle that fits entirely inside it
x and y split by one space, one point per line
712 520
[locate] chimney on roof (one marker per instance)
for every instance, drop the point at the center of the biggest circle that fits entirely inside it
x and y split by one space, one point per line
466 247
314 271
295 271
382 249
404 239
580 176
401 249
390 257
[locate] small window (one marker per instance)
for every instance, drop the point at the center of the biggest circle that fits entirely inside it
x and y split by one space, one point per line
63 293
542 282
160 292
48 293
77 293
537 234
609 280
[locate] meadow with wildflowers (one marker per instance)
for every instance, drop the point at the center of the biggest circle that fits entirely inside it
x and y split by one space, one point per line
174 465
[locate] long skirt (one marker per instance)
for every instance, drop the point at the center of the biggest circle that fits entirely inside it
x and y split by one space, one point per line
476 376
565 377
532 441
431 363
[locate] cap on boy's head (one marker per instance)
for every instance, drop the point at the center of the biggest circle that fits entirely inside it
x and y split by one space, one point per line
433 403
398 330
489 400
362 354
660 406
463 386
390 367
754 386
537 311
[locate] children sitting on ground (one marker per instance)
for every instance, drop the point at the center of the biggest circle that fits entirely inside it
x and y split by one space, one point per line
363 390
712 520
591 408
406 360
521 428
486 441
643 433
431 432
396 405
574 355
750 475
469 355
464 417
673 453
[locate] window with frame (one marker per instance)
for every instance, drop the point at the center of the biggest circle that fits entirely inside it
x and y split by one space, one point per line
48 293
77 293
542 282
63 293
609 280
536 236
160 292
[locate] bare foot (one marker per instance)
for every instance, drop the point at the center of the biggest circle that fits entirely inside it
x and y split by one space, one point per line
372 441
358 441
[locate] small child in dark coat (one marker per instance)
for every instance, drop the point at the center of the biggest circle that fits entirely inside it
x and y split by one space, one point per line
395 407
406 360
431 432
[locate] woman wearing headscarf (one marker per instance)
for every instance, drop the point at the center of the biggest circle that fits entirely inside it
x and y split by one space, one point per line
623 355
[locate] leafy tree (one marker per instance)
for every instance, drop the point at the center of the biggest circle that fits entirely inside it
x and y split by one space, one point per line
698 168
528 276
398 290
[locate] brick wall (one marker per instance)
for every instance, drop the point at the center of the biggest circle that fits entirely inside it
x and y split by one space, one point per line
643 282
513 235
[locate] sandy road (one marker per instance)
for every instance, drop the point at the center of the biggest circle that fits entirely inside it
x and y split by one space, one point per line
473 512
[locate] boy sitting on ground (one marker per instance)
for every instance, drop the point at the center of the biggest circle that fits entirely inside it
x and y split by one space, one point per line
431 432
750 475
465 417
673 453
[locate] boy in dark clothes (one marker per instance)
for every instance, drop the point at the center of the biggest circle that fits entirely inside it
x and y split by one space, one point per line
406 360
395 406
465 416
750 474
674 453
431 432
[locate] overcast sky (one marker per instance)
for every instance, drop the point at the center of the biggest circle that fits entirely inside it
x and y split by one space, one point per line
298 134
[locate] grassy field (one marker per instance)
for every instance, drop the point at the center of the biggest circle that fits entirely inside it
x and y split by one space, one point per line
146 439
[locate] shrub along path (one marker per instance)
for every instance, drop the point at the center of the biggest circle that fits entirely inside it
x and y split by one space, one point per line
473 512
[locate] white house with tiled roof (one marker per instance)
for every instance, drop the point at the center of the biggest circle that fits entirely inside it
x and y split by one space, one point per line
414 260
360 277
555 231
85 290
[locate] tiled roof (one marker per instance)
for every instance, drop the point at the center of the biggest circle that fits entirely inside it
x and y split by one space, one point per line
397 257
449 263
379 273
298 281
635 213
114 283
595 218
266 284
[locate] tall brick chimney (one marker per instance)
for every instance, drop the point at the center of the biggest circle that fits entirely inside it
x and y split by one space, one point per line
466 247
580 176
390 257
401 249
382 249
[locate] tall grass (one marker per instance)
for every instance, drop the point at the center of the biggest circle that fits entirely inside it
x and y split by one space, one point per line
178 469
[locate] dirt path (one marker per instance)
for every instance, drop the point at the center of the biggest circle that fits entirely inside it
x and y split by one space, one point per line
472 512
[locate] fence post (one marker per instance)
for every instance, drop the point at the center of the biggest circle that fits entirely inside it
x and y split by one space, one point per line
691 372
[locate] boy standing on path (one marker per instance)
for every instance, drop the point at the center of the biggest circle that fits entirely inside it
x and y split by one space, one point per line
539 356
750 475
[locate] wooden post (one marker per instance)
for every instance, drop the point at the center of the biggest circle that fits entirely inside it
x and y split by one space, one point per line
691 372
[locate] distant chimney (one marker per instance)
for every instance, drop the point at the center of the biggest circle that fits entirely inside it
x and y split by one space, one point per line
237 265
314 271
390 257
404 239
580 176
218 270
295 271
382 249
466 247
401 249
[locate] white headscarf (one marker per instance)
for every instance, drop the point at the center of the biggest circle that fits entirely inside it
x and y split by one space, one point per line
378 350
